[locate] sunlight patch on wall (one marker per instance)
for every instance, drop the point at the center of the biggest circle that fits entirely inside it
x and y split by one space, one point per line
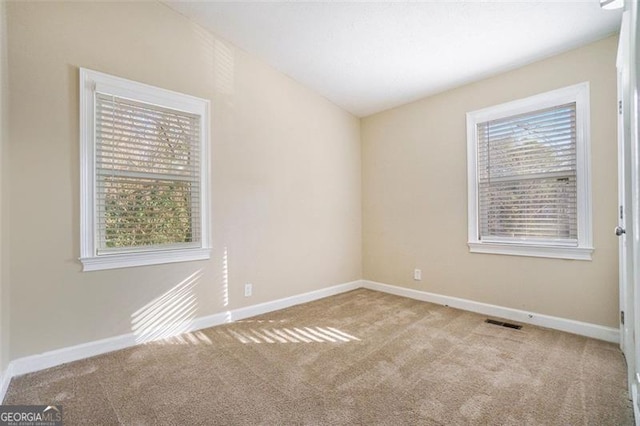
223 67
225 284
218 58
225 278
168 315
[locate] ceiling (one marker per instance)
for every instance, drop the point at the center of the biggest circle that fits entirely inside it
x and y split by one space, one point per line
370 56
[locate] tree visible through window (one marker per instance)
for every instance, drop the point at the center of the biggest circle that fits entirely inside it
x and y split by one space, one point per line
529 176
148 185
144 174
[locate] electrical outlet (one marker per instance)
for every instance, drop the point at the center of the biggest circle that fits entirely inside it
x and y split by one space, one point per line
248 289
417 274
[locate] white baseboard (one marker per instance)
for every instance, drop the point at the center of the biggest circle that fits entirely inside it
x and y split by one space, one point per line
5 379
56 357
262 308
571 326
29 364
635 402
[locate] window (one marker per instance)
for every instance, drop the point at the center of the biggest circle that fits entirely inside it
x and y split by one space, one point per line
144 174
529 180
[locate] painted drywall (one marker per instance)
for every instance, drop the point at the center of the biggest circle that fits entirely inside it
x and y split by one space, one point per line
4 123
286 175
415 196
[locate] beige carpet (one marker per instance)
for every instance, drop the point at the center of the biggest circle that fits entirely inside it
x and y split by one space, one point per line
361 357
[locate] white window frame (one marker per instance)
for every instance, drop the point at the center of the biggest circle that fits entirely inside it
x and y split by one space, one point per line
579 94
90 82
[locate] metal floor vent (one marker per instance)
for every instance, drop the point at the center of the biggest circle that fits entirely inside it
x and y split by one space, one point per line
503 324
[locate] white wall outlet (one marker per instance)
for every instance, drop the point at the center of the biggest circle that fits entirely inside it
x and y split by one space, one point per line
248 289
417 274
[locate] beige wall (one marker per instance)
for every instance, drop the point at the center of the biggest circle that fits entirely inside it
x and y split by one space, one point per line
415 196
286 172
4 123
286 181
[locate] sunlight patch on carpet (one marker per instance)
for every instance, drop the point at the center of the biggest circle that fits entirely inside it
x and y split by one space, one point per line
195 338
290 335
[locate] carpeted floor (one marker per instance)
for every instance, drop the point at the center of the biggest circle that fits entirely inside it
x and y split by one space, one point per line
361 357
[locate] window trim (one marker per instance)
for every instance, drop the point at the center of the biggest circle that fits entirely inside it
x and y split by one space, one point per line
90 82
578 93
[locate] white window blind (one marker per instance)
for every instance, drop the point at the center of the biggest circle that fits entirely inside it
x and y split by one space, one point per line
527 177
144 174
147 176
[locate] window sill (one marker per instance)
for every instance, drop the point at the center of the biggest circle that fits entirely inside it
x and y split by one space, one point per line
127 260
554 252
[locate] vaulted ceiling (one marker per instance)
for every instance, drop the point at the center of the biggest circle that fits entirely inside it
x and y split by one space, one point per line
370 56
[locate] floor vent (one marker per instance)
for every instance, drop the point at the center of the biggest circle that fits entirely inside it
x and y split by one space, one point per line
503 324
